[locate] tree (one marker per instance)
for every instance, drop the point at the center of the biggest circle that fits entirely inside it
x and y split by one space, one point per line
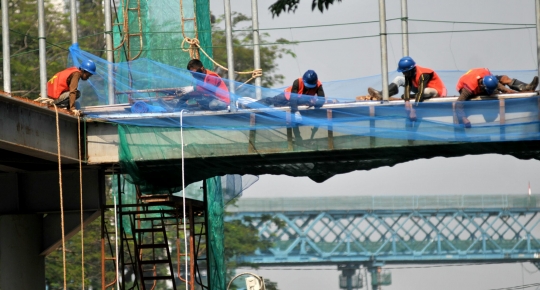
291 5
243 51
24 45
24 42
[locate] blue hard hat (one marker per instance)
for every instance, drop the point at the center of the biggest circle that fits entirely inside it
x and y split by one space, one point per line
491 83
406 63
88 66
310 79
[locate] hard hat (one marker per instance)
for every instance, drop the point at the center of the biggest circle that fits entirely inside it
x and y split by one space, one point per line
310 79
491 83
406 63
88 66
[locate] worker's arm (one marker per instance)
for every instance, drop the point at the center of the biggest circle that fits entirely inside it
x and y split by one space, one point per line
422 85
464 95
407 97
407 92
73 85
320 92
293 101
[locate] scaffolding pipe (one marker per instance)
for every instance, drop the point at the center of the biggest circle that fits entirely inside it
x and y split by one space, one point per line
109 48
42 49
5 47
230 53
73 18
384 53
405 28
256 47
537 2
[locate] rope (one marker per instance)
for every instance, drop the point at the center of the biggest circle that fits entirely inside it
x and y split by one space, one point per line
81 197
194 45
61 195
183 195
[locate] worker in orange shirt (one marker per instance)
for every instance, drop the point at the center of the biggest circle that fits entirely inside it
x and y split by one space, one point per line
62 88
480 81
422 81
210 91
307 90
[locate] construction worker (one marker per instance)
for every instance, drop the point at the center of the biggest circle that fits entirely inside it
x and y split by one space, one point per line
62 88
210 92
307 90
480 81
424 82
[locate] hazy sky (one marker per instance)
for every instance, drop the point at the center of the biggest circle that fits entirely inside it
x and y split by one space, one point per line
358 57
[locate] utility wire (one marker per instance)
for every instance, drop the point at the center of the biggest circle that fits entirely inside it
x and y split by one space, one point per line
522 26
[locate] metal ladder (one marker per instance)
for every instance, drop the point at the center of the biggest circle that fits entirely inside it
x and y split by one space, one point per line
150 243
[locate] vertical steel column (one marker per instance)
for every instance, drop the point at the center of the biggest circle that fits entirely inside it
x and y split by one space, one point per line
230 53
256 47
109 48
405 28
5 47
537 4
73 17
384 53
42 49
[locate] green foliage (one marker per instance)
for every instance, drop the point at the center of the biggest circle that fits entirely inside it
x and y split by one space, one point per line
243 51
291 5
24 43
92 261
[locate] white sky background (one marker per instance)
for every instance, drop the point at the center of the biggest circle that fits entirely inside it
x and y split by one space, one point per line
352 58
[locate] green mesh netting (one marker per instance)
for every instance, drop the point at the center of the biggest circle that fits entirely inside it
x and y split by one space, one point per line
155 30
216 233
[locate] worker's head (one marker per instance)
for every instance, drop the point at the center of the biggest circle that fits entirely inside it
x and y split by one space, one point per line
310 79
406 65
489 83
88 69
196 68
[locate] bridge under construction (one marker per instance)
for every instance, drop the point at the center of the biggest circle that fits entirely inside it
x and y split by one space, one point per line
159 177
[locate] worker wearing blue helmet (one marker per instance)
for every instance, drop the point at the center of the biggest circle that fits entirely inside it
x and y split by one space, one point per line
62 88
307 90
424 82
480 81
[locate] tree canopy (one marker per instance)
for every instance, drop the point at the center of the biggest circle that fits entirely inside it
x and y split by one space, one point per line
291 5
243 50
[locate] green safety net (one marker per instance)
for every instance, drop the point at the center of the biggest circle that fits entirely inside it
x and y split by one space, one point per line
155 30
216 242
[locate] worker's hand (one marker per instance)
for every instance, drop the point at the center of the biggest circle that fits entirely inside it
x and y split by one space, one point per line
297 117
412 115
76 112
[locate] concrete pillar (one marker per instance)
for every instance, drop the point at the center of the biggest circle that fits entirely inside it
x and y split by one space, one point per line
21 266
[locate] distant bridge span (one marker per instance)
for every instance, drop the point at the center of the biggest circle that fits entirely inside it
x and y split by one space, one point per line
394 229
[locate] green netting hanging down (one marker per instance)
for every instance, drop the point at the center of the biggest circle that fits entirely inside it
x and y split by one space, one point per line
215 212
155 29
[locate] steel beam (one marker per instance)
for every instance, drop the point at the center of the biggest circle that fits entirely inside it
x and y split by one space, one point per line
31 130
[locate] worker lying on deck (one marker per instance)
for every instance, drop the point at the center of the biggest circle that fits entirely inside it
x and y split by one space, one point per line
62 88
480 81
424 82
305 91
210 92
